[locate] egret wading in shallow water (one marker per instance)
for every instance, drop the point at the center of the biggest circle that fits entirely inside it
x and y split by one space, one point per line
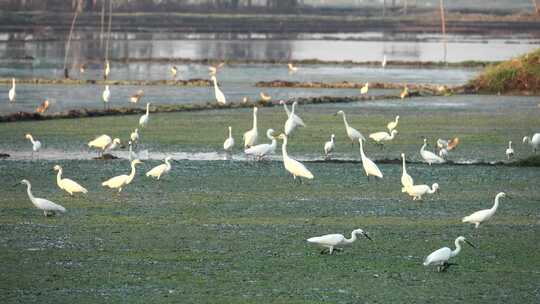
48 207
417 191
104 143
120 181
430 157
405 93
330 241
448 145
364 90
369 166
229 142
329 146
534 142
134 136
220 97
160 170
381 137
296 119
393 124
105 96
406 179
441 256
292 68
352 133
12 94
107 70
509 151
174 71
483 215
294 167
250 137
383 62
36 144
67 184
293 121
265 97
262 150
143 121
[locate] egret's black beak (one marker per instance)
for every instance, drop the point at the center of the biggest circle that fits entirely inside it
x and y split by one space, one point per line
470 244
367 236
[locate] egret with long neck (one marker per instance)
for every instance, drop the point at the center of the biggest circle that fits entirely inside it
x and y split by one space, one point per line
48 207
483 215
250 137
441 256
296 168
406 179
121 181
12 92
329 241
352 133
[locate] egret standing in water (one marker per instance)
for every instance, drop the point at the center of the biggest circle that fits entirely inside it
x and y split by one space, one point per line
143 121
483 215
364 90
106 96
383 63
134 136
265 97
294 167
369 166
441 256
229 142
262 150
121 181
534 142
12 94
393 124
292 68
293 121
406 179
417 191
174 71
160 170
48 207
104 142
250 137
107 70
67 184
296 119
220 97
36 144
430 157
329 241
329 146
352 133
509 151
380 137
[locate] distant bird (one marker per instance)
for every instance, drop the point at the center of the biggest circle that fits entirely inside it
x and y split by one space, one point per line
509 151
364 90
220 97
352 133
160 170
245 100
103 142
448 144
12 94
214 68
250 137
393 124
330 241
405 93
417 191
441 256
381 137
82 68
383 63
36 144
140 155
48 207
121 181
136 97
369 166
229 142
265 97
296 168
406 179
443 153
292 68
134 136
174 71
262 150
293 121
483 215
534 142
430 157
329 146
105 96
143 120
67 184
296 119
43 107
114 144
107 70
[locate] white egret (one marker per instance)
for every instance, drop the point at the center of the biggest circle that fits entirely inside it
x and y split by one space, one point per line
174 71
294 167
82 68
105 96
120 181
383 63
291 124
448 144
417 191
107 70
406 179
509 151
36 144
160 170
136 97
134 136
329 146
393 124
220 97
441 256
213 70
104 142
292 68
250 137
114 144
262 150
229 142
404 93
143 121
12 94
296 119
534 142
369 166
352 133
67 184
329 241
430 157
483 215
265 97
443 153
48 207
364 90
380 137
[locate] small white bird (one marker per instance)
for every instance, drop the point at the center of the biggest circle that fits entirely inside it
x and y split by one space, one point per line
114 144
48 207
265 97
380 137
174 71
417 191
369 166
330 241
430 157
297 120
443 153
12 94
143 121
220 97
404 93
107 70
294 167
250 137
509 151
383 63
36 144
483 215
364 90
393 124
292 68
352 133
329 146
106 95
293 121
262 150
441 256
134 136
160 170
67 184
534 142
103 142
406 179
120 181
212 70
229 142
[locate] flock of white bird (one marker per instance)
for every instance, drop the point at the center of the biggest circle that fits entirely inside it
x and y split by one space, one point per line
330 242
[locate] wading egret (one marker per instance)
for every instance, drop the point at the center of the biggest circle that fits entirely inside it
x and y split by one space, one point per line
250 137
262 150
352 133
143 121
105 96
369 166
406 179
48 207
417 191
443 153
364 90
82 68
174 71
483 215
297 120
120 181
220 97
380 137
430 157
330 241
140 155
36 144
441 256
114 144
43 106
329 146
107 70
448 144
292 68
12 94
383 62
212 70
393 124
229 142
103 142
160 170
294 167
67 184
136 97
509 151
405 93
293 121
265 97
134 136
534 142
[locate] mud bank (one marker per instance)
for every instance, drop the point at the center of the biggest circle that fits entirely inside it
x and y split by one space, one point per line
197 82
